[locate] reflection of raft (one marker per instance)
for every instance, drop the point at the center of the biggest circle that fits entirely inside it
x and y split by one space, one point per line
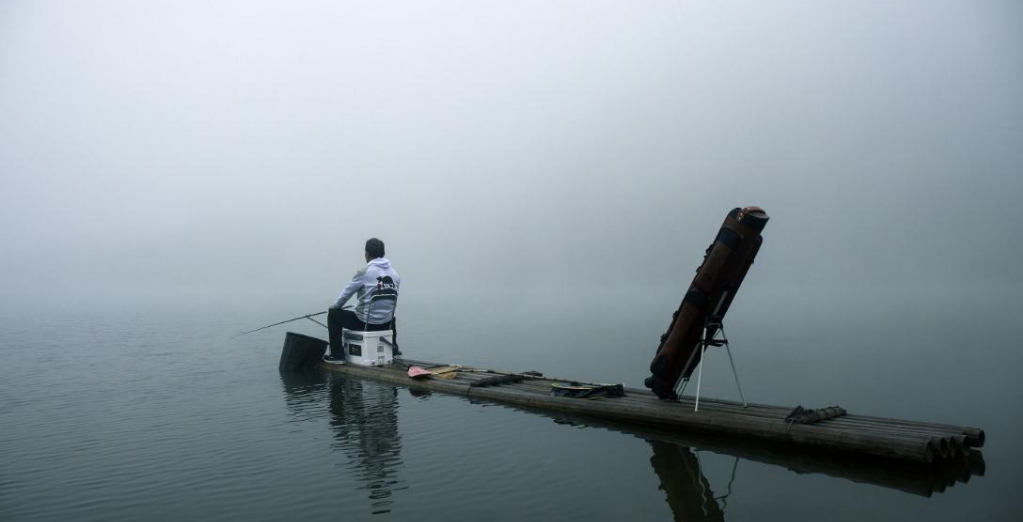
910 477
853 434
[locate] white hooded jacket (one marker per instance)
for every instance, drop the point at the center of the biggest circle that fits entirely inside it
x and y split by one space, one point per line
377 278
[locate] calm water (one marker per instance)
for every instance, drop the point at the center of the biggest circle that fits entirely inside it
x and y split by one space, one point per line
163 416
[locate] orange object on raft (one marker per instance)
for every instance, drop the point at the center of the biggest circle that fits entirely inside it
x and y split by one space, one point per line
717 279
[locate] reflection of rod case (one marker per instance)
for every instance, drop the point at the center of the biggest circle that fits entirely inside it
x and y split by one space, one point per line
686 488
717 279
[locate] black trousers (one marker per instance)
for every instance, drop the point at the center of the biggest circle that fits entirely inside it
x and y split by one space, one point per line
338 319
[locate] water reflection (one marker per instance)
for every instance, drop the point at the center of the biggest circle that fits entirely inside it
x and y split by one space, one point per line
365 422
302 392
675 469
364 418
919 479
688 491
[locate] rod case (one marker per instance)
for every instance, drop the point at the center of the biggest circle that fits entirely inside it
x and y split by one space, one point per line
717 279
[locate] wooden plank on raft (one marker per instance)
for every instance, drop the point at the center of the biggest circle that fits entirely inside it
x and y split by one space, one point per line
890 438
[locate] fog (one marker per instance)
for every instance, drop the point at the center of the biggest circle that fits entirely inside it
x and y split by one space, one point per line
239 154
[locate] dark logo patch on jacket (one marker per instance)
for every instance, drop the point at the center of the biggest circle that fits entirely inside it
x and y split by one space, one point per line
386 286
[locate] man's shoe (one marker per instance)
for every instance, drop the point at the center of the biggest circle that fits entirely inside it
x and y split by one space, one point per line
333 359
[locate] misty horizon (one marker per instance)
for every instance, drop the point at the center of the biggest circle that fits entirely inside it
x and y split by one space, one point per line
243 153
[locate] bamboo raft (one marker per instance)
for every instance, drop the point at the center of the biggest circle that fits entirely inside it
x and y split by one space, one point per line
903 440
923 479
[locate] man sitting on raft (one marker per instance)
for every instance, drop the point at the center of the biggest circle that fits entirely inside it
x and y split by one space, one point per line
376 279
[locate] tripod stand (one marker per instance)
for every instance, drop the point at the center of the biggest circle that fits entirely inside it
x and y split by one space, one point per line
711 326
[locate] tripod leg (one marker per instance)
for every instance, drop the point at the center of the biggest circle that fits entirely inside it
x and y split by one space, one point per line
681 388
735 374
699 375
685 380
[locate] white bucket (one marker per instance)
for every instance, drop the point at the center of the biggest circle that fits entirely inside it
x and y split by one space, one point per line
369 348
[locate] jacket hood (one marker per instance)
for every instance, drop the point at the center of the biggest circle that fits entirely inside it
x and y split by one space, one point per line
381 262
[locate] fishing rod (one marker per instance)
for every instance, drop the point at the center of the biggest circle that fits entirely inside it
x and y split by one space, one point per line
306 316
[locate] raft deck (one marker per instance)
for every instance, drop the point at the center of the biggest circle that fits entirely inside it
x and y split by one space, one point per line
857 434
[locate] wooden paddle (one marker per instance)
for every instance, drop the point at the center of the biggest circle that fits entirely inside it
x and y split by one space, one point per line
441 372
445 372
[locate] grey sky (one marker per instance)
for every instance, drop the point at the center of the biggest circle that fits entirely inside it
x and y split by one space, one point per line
243 151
